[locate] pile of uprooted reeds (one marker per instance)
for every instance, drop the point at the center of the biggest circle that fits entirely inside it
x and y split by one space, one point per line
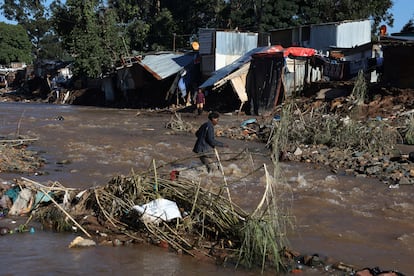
345 130
210 222
342 131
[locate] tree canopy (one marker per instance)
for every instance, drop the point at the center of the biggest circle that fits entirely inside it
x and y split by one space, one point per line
408 27
14 44
96 32
33 16
90 34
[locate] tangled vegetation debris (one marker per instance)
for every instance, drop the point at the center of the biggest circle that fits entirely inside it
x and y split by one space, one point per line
210 224
178 124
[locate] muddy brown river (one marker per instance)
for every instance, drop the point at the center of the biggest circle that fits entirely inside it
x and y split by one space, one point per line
359 221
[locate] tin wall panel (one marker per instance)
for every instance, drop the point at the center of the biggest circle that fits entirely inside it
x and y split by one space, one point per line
340 35
232 45
206 41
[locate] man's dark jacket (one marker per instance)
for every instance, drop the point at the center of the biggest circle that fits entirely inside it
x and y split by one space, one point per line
205 138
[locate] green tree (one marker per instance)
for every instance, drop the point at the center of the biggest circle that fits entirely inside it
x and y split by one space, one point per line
134 19
323 11
264 15
242 15
51 48
15 45
135 33
96 38
408 27
162 31
23 10
190 15
33 16
90 33
277 14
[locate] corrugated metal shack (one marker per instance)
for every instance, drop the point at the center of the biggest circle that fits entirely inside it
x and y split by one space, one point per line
344 47
262 77
294 36
345 63
221 48
153 80
345 34
398 62
322 37
15 74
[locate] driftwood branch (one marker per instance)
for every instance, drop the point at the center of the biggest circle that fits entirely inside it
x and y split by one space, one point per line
18 140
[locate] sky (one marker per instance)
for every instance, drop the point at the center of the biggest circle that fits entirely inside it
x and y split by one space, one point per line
403 11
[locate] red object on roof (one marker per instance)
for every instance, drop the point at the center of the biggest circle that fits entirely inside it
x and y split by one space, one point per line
275 50
299 52
278 50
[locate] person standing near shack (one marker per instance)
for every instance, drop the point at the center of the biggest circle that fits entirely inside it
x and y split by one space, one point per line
206 141
200 101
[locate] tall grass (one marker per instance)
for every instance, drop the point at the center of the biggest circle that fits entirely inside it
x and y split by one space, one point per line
264 234
409 134
359 92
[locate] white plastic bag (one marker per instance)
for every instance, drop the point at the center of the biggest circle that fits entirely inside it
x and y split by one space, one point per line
157 210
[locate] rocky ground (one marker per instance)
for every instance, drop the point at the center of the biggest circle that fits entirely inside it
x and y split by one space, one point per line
388 112
379 146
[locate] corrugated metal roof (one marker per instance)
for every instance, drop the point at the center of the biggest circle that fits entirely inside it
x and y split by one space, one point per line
407 37
227 70
163 65
243 70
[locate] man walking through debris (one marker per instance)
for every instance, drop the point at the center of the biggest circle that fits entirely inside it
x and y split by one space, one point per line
206 141
200 101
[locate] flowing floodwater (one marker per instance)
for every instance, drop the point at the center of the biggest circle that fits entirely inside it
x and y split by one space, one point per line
359 221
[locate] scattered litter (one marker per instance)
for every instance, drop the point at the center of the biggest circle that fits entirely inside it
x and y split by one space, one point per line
157 210
248 122
331 178
81 242
23 203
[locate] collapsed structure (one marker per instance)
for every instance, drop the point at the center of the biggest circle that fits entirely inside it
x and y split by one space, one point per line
249 71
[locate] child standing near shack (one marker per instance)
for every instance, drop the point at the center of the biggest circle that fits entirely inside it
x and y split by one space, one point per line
200 101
